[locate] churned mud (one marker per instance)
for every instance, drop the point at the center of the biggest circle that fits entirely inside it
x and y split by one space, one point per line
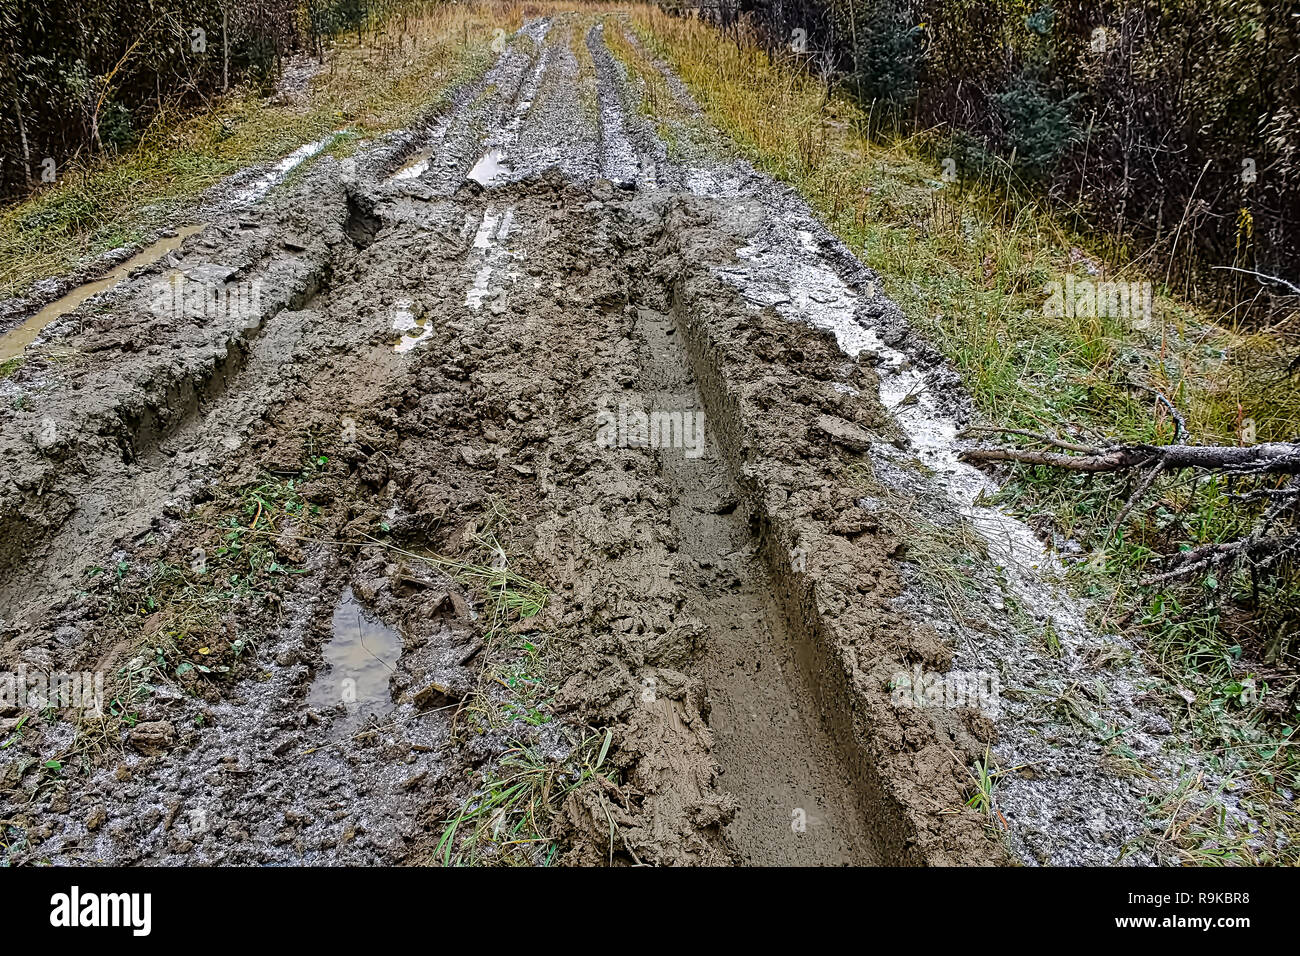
516 441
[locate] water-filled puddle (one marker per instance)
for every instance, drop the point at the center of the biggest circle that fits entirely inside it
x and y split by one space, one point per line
491 237
359 660
490 169
415 167
411 330
14 341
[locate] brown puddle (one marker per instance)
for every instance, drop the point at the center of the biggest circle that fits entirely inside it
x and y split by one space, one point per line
359 660
13 342
411 330
415 167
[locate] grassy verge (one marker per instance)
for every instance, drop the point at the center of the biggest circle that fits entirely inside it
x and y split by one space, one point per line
970 269
382 83
586 72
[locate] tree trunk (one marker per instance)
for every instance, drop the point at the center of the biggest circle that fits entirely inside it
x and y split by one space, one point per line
22 136
225 51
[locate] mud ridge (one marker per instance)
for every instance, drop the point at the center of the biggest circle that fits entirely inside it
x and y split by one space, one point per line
129 413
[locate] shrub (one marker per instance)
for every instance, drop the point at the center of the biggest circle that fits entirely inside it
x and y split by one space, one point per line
1038 129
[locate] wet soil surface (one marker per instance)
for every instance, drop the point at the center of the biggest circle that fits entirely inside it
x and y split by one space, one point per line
649 401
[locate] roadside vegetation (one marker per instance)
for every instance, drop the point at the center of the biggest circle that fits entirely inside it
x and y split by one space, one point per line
1165 127
378 78
969 267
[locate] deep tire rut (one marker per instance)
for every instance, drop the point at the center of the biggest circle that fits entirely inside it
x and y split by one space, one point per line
797 803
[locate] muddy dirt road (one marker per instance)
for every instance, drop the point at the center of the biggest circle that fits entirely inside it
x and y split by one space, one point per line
523 473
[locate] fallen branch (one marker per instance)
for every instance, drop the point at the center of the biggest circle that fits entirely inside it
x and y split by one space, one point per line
1048 439
1180 423
1258 551
1134 499
1295 290
1270 542
1271 458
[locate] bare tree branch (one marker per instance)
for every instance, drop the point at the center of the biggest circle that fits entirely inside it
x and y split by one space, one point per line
1180 423
1267 544
1047 439
1258 552
1269 458
1295 290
